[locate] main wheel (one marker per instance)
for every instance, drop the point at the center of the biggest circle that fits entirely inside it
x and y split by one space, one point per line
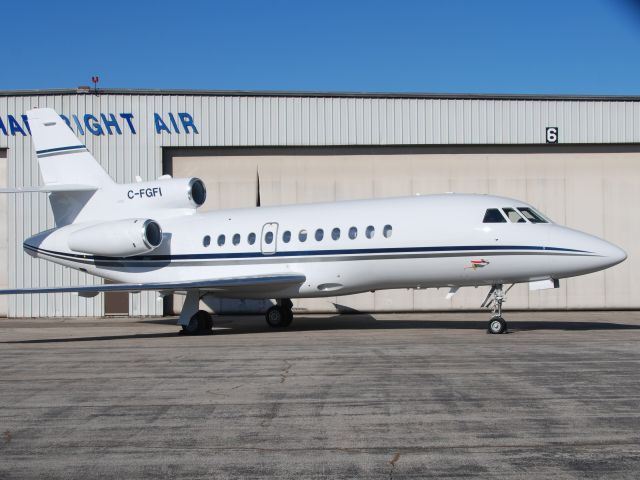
200 322
497 325
288 318
278 317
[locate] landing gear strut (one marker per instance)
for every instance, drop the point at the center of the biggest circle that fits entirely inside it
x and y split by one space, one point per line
494 300
280 315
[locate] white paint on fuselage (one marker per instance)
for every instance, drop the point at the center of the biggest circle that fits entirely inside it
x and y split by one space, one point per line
433 241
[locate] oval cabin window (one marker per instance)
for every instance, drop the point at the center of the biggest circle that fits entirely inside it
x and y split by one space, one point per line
370 232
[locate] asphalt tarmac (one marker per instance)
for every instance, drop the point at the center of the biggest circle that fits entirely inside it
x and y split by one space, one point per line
351 396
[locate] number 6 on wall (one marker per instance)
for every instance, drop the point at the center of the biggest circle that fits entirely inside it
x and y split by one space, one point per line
552 134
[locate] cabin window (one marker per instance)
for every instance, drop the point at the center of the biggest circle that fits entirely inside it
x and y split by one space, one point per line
513 216
206 241
268 238
319 234
353 233
387 231
531 215
236 239
335 234
221 240
286 236
251 238
493 215
302 236
370 231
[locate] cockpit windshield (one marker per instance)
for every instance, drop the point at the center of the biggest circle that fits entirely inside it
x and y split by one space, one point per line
531 215
513 215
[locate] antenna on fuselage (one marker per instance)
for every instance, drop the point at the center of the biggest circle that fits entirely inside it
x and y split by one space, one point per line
257 188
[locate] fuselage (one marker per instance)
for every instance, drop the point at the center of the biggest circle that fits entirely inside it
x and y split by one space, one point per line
352 246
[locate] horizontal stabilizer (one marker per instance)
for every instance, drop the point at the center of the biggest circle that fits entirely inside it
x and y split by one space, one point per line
51 188
229 285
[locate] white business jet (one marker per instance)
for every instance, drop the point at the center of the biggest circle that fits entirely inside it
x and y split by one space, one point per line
149 236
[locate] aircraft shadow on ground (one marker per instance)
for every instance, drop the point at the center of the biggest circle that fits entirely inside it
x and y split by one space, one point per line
93 339
368 322
240 325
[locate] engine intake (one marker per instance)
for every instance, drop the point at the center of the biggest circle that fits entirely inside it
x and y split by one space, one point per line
120 238
197 192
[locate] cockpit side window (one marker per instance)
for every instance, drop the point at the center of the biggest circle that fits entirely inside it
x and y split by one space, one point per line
513 216
531 215
493 215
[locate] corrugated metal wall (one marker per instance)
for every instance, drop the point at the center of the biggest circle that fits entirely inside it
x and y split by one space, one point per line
4 257
255 120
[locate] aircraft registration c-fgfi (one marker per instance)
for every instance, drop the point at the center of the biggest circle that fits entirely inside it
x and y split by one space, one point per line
149 236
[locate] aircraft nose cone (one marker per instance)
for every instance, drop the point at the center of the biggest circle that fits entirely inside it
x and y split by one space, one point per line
617 255
613 253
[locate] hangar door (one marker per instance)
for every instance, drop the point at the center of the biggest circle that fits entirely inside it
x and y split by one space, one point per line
591 188
4 280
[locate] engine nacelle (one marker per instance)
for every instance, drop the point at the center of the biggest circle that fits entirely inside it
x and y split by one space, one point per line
120 238
167 193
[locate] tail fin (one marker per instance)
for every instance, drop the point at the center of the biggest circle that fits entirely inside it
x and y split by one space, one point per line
62 157
68 170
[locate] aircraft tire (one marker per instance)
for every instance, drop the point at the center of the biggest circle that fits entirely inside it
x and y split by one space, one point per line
278 317
497 325
288 318
200 323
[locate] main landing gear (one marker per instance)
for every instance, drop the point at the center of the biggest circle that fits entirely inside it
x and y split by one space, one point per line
199 324
280 315
192 320
494 300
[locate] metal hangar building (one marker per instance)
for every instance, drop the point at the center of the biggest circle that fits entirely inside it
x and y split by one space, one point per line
577 159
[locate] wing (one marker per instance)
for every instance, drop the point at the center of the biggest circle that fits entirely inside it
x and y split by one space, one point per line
222 285
50 188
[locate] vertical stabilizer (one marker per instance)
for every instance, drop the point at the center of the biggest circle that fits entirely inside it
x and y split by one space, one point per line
64 160
62 157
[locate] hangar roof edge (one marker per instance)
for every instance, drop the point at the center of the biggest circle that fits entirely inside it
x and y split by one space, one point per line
277 93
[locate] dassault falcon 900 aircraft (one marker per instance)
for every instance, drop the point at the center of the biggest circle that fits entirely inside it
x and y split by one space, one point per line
149 236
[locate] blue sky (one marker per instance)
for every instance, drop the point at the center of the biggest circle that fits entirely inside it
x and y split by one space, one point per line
452 46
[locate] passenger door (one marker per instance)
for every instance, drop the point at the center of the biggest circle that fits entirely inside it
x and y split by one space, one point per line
269 239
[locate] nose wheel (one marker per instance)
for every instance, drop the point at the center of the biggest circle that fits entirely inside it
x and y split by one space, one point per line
497 325
494 300
281 315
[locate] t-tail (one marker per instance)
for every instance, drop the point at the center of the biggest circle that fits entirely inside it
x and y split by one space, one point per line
63 159
81 191
69 172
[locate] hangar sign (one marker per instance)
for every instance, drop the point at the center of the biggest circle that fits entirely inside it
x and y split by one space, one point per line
106 124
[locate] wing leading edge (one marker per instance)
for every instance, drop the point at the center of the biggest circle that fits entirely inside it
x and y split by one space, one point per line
230 284
50 189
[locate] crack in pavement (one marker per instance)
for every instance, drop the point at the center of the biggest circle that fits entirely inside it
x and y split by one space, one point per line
285 371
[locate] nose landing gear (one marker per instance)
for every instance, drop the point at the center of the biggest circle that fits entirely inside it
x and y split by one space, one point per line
497 325
494 300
